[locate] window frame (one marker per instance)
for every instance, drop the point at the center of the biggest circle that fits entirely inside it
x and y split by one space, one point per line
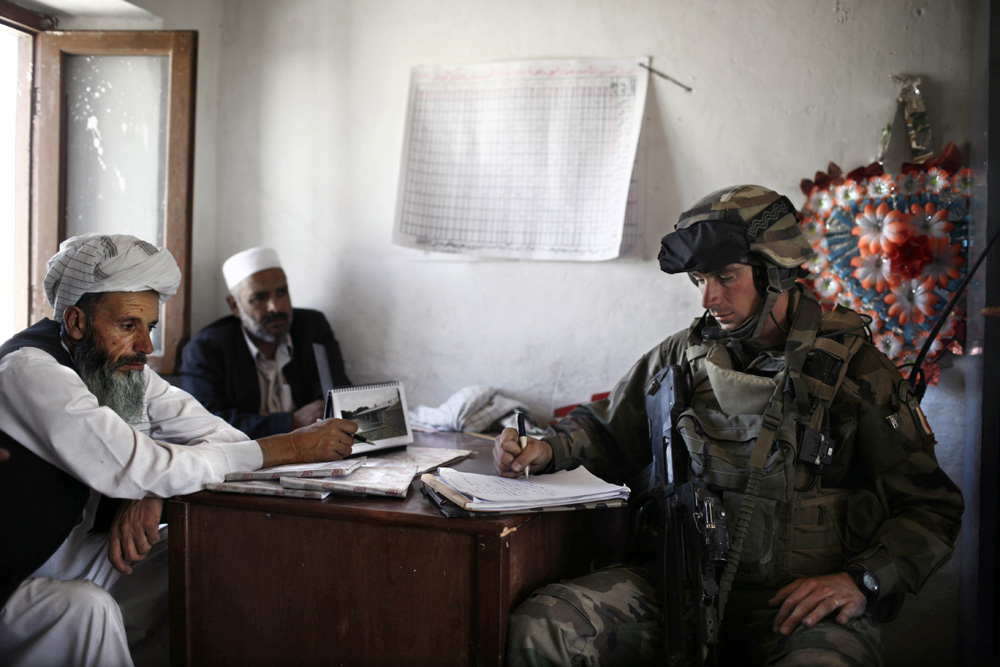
48 168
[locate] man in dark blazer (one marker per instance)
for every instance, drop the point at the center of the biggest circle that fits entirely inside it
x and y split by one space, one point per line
257 368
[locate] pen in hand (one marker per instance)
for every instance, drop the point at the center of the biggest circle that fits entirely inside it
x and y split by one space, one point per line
522 439
357 437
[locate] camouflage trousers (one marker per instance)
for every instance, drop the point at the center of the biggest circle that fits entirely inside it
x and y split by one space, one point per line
612 617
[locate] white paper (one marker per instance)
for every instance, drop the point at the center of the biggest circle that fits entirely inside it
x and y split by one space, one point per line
525 160
564 487
424 458
324 469
379 481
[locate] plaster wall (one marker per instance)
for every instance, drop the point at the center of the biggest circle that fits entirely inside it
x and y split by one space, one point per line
309 107
301 108
300 114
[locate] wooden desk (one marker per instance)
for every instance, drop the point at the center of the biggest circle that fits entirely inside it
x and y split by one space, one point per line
256 580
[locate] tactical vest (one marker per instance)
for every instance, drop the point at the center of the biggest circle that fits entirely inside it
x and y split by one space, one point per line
39 503
736 422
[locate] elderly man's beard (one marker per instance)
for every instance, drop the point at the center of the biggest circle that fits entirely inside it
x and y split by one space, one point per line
122 392
259 329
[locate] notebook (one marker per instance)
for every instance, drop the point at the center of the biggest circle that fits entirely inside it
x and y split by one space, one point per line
378 408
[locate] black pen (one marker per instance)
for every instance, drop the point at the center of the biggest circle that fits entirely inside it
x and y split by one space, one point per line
522 439
357 438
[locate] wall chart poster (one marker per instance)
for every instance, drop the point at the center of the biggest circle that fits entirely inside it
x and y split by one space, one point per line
525 160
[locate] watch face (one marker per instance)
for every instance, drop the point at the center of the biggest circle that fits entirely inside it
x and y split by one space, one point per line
870 582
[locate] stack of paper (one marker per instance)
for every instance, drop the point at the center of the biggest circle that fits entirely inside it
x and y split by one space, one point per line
327 469
489 493
267 481
392 481
265 487
388 475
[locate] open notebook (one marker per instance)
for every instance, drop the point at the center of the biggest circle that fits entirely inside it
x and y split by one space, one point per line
567 489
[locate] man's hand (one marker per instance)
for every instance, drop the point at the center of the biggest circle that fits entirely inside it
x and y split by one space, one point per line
807 601
510 461
135 530
324 440
4 455
308 414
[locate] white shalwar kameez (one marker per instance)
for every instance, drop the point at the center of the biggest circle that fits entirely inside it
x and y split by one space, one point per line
76 608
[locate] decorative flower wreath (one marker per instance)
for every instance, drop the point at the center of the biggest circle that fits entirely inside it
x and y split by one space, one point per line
894 248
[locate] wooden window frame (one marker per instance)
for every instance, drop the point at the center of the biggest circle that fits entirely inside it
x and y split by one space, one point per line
48 192
23 19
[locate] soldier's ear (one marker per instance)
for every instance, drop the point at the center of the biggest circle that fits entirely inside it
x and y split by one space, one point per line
74 322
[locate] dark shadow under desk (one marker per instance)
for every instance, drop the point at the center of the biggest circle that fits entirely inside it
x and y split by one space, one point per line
256 580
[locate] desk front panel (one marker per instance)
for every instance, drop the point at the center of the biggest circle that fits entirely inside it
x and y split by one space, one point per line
269 589
363 581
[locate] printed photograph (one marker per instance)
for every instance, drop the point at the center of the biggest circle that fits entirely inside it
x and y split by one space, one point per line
380 412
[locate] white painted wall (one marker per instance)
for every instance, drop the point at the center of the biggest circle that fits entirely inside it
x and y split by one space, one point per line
299 132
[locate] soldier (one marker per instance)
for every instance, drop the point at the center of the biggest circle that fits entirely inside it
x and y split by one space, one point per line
833 536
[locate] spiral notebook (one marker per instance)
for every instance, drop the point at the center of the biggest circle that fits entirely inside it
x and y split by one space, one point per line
379 408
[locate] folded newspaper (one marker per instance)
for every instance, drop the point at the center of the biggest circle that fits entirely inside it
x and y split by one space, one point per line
490 493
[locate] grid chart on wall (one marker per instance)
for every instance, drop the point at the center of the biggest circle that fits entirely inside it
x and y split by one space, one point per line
530 160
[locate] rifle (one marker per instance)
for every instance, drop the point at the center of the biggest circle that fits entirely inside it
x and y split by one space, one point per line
691 537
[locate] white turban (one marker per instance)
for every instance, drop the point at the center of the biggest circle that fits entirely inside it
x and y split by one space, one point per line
94 263
244 264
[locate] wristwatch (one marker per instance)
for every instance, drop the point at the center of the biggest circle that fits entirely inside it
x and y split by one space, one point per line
866 581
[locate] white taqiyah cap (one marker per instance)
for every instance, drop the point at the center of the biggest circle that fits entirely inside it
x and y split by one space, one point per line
244 264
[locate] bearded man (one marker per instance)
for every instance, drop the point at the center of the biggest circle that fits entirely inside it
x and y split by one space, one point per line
260 368
95 441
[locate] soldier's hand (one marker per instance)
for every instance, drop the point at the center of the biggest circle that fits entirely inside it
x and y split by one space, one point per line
133 533
807 601
510 461
323 440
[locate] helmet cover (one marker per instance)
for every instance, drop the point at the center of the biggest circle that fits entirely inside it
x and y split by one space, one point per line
745 221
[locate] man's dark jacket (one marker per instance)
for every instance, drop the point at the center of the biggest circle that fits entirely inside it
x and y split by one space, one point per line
219 371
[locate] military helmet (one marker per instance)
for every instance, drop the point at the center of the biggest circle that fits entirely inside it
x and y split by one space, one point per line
742 223
748 224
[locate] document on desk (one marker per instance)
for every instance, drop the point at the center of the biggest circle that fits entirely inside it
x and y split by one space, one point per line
266 487
524 159
389 481
324 469
491 493
424 458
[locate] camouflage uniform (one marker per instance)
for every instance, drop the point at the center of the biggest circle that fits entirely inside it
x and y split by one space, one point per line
883 503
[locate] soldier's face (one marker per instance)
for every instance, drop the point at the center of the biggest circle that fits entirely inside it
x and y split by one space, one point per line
729 294
264 304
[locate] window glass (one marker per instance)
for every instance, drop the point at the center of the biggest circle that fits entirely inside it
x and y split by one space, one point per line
116 120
